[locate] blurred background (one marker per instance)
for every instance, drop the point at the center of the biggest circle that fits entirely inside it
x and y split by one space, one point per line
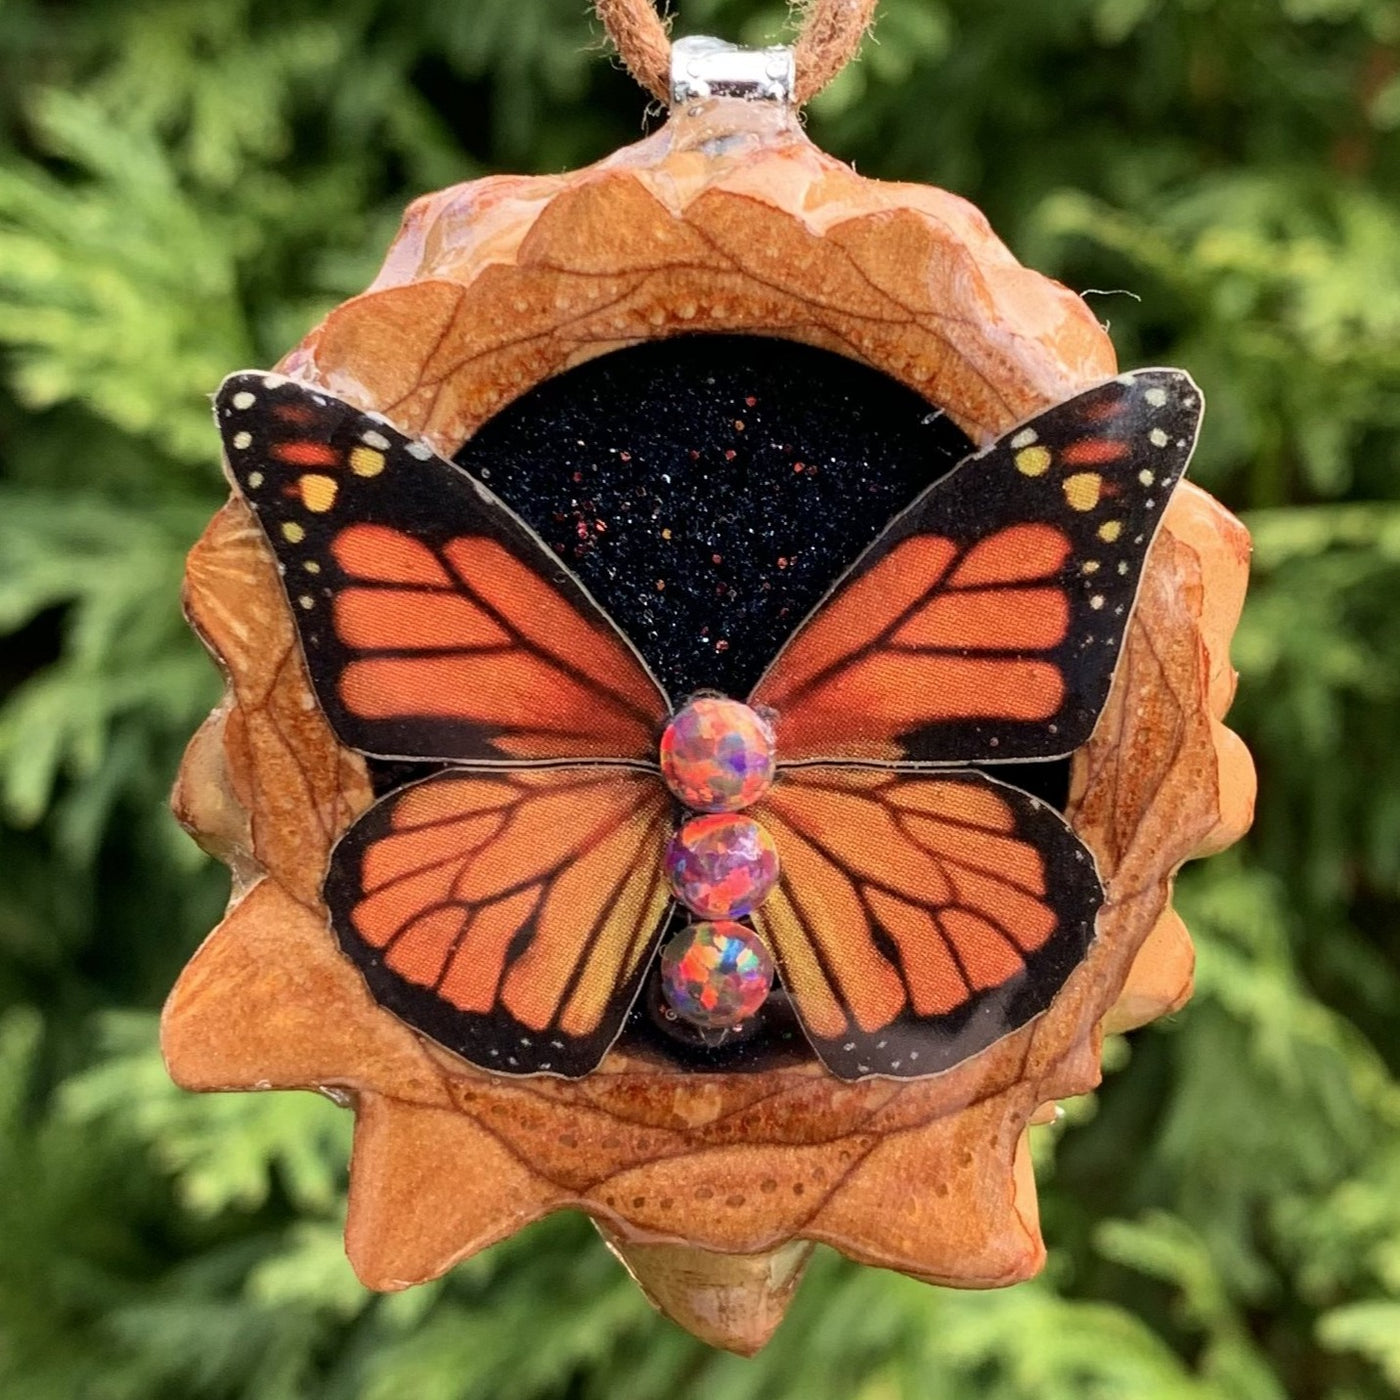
186 186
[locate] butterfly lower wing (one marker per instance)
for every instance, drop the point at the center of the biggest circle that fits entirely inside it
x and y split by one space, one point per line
919 917
985 623
434 623
508 915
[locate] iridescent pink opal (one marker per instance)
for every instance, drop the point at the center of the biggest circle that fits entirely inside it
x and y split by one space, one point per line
717 755
716 975
721 866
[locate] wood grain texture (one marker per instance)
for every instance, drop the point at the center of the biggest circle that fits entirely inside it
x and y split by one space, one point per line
726 220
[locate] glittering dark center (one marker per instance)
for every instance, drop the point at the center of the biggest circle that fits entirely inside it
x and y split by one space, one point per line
708 490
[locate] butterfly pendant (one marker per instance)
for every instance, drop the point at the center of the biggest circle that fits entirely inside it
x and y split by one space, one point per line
510 905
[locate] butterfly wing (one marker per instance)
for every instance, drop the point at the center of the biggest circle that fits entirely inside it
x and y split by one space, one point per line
985 623
919 917
434 623
508 914
505 911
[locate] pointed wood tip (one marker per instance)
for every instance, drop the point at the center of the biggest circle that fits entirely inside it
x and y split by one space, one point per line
731 1301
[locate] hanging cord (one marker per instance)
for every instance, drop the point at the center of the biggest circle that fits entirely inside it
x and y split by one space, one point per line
830 36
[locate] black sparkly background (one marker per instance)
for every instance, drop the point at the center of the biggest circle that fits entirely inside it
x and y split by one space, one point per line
708 490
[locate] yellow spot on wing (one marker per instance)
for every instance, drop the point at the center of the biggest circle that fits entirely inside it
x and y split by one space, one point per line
1110 530
318 492
365 461
1082 490
293 532
1033 461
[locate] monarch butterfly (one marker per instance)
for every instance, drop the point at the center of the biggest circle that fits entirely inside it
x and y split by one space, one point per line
510 905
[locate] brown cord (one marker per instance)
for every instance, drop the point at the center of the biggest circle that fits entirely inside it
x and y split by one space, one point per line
830 39
642 43
830 36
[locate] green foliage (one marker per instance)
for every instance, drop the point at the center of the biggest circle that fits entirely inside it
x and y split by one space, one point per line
187 185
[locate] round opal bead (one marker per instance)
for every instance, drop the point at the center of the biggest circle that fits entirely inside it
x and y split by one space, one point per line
717 755
716 975
721 866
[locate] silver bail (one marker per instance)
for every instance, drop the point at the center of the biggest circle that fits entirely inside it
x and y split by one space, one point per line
703 67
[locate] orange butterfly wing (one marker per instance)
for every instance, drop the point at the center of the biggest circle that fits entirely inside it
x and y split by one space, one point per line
434 623
985 623
919 917
506 910
510 915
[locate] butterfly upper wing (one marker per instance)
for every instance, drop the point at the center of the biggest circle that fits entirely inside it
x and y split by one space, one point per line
985 623
919 917
508 914
434 623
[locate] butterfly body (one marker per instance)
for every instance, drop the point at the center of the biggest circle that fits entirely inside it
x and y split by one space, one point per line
510 905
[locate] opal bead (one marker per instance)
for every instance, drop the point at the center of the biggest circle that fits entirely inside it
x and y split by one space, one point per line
721 866
717 755
716 974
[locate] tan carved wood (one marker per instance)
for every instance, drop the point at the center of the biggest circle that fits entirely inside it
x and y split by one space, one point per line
709 1186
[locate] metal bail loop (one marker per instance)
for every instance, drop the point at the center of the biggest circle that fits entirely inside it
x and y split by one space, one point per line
704 67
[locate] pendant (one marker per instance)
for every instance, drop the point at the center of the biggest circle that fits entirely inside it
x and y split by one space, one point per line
722 671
